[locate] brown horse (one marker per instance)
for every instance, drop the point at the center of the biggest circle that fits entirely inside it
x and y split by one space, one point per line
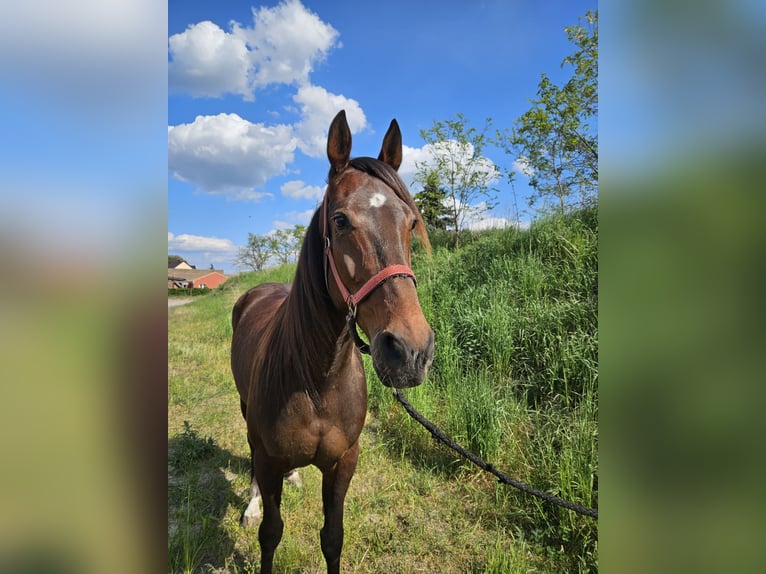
294 351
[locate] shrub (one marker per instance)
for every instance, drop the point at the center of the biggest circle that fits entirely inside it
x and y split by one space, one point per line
196 291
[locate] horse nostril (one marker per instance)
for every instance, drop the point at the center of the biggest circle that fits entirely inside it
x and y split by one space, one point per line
397 352
399 364
392 349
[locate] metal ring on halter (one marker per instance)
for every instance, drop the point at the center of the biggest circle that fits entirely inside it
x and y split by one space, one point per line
352 307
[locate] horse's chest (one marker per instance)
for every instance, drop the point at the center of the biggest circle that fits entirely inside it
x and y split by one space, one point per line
305 434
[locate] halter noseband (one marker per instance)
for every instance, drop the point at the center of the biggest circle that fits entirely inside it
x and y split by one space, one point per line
353 299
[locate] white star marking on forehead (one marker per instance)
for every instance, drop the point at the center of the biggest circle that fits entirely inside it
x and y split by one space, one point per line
377 200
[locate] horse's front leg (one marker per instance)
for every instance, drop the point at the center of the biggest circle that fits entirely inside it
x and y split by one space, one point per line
252 513
270 480
335 483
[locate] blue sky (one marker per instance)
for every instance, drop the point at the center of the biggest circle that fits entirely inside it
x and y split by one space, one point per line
246 127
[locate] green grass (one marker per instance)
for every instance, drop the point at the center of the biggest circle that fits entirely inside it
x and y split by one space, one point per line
514 379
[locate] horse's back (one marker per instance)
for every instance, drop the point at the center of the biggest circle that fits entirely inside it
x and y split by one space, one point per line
259 299
250 319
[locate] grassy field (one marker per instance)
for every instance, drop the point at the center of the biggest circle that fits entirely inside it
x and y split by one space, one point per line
514 379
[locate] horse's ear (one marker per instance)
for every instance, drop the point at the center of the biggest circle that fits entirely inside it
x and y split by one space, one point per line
339 143
391 151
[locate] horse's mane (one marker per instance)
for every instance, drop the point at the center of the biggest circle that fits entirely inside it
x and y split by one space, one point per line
302 328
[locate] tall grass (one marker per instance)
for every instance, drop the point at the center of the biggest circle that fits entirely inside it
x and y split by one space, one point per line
514 379
515 372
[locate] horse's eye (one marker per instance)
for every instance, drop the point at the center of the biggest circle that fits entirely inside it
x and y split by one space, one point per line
341 221
414 223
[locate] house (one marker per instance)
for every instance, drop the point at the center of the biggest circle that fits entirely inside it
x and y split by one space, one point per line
184 265
180 278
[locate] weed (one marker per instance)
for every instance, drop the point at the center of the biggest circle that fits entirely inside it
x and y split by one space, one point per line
189 449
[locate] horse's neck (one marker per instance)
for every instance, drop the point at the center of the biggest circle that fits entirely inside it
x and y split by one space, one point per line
315 327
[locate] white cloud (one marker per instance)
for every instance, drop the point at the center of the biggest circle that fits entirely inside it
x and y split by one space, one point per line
477 220
293 218
248 195
482 223
287 41
228 154
206 61
87 55
521 165
203 251
411 158
190 243
318 108
298 190
282 47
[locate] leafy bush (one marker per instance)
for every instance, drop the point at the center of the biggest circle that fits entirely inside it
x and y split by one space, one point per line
189 449
196 291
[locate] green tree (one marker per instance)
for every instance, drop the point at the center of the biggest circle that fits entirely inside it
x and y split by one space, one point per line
298 233
285 244
255 254
556 139
461 170
431 200
174 260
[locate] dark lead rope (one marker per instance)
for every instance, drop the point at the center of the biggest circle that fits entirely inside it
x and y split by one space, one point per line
440 436
504 478
363 347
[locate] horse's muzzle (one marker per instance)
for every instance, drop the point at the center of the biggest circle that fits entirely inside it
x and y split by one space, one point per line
398 362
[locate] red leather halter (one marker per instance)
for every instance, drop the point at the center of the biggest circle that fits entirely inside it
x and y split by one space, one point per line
353 299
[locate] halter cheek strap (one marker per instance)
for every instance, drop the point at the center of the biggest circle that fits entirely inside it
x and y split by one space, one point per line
353 299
